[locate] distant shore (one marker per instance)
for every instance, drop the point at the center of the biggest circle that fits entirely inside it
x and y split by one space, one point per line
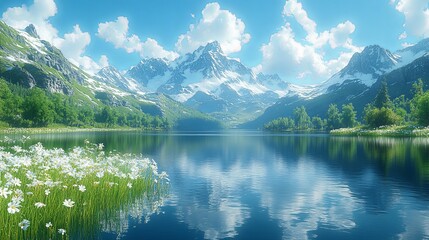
66 130
388 131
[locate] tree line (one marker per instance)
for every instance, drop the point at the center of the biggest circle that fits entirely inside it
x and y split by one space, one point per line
381 112
21 107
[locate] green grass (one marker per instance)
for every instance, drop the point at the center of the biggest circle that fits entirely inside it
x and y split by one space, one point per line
106 189
388 131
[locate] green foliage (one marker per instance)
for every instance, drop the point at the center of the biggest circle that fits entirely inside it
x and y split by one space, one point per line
423 109
197 124
302 120
37 109
280 124
376 117
318 123
382 99
334 117
348 116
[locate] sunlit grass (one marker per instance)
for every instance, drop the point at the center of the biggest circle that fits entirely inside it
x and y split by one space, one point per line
53 193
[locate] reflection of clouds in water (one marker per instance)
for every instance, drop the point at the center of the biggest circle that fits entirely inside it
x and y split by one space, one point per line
218 191
416 224
309 200
301 197
219 213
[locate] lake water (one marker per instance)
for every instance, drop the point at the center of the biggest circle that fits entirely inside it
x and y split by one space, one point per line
253 185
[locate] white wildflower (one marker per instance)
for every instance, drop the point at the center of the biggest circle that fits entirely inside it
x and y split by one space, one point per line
62 231
48 225
4 192
39 204
82 188
47 192
13 207
15 182
100 146
129 185
24 224
68 203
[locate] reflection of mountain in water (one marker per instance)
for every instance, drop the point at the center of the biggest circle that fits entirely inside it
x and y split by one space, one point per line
292 187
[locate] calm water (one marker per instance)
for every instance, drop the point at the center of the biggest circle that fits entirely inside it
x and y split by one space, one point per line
251 185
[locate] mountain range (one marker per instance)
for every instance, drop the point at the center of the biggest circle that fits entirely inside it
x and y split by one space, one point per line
206 82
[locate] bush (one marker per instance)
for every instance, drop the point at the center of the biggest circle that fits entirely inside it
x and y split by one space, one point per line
376 117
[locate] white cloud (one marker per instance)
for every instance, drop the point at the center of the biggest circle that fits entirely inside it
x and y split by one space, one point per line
403 35
416 14
286 56
294 9
104 61
340 35
37 14
296 59
215 25
72 45
116 32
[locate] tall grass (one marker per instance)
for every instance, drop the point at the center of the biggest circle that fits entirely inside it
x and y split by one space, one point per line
57 194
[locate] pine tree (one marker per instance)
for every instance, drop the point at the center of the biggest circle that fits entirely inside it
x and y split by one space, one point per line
382 99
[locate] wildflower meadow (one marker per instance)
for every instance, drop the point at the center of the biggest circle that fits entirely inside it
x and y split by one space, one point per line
75 193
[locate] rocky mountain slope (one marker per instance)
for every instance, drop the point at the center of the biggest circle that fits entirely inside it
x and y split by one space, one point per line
359 81
27 61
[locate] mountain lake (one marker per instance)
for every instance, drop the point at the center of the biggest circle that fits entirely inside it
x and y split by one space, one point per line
258 185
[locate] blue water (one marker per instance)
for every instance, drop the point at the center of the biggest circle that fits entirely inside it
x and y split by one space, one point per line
253 185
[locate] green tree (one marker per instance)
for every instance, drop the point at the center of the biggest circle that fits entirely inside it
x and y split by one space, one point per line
334 117
376 117
423 109
37 108
302 120
400 106
417 93
9 104
318 123
348 116
86 116
70 113
382 99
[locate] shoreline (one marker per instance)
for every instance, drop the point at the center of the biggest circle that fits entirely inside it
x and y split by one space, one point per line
384 131
69 130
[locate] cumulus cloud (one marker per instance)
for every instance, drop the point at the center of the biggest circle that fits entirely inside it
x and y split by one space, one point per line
294 9
296 59
72 45
37 14
416 14
216 24
116 32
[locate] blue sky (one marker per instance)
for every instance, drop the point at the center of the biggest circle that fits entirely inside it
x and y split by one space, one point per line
304 41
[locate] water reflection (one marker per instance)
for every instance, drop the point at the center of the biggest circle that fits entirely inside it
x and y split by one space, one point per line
285 186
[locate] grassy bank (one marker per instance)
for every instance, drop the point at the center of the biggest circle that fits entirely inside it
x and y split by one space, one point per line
388 131
78 193
63 129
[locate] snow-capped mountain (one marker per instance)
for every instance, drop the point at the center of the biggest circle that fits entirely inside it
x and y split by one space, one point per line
147 70
112 76
359 82
209 81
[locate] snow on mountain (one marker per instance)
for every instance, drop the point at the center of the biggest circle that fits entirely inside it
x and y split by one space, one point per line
366 67
112 76
206 76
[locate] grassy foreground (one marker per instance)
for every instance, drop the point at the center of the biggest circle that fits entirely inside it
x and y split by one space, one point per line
57 194
389 131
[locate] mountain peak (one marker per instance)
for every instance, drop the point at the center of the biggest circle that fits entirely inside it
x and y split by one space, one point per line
31 30
372 60
213 47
